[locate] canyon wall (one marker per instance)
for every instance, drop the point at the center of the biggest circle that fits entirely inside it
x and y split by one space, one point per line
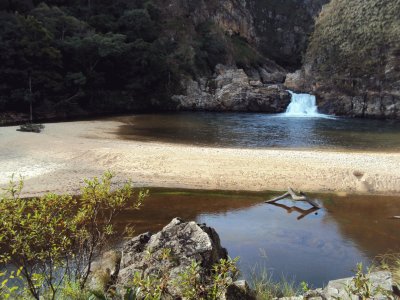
353 59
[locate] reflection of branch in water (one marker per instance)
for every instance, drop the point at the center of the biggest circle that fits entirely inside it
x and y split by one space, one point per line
303 212
295 197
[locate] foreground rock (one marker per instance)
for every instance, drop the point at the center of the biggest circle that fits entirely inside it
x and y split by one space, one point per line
184 241
380 284
231 89
170 253
167 255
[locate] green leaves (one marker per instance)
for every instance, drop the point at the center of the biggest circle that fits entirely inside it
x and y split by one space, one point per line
45 236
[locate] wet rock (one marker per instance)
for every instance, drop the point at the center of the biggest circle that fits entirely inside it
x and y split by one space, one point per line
331 100
296 81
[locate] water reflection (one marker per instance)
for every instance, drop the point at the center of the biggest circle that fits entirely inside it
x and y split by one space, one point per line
303 212
311 245
262 130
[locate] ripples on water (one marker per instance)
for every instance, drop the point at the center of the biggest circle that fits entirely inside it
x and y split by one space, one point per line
245 130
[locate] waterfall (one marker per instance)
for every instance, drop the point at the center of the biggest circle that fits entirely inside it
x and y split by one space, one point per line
303 105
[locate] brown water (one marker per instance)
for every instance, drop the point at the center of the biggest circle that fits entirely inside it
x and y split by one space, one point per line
255 130
289 239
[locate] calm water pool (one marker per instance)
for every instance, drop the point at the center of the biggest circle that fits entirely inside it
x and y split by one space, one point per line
252 130
290 239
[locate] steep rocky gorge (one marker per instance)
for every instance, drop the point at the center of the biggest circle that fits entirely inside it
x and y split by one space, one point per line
237 55
239 51
352 62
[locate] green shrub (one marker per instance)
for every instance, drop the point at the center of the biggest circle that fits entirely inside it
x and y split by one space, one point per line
55 238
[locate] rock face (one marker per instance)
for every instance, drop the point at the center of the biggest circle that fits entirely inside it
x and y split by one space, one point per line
282 27
244 34
354 72
278 28
232 16
231 89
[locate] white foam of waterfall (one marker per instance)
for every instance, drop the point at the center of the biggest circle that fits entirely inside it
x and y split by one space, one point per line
303 105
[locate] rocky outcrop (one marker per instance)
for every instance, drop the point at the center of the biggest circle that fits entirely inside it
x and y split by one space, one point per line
379 284
167 254
185 242
333 100
171 252
231 89
354 72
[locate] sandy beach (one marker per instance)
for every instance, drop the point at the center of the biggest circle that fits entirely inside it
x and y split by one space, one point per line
58 159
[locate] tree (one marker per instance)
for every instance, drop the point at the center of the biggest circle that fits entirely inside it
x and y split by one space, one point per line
30 62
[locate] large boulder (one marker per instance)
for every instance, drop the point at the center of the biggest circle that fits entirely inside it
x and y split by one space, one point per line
231 89
171 252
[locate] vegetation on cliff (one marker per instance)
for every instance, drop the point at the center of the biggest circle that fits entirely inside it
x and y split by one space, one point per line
356 45
72 57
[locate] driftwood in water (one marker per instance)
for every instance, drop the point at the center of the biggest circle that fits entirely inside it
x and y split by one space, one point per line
295 197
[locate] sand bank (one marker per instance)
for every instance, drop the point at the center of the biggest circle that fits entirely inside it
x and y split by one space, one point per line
57 160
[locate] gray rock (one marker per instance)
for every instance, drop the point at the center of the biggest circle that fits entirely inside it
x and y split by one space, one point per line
340 289
170 252
232 90
271 77
104 271
239 290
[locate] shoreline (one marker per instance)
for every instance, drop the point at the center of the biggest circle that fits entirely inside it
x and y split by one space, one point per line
58 159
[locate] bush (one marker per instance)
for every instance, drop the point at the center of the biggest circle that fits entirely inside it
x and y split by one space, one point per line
54 239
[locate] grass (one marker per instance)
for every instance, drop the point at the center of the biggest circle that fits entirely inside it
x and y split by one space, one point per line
390 262
267 288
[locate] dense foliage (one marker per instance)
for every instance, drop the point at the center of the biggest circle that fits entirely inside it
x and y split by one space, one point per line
53 240
70 57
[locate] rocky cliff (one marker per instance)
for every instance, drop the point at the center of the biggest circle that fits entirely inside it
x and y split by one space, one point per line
231 89
353 60
278 29
283 27
247 37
